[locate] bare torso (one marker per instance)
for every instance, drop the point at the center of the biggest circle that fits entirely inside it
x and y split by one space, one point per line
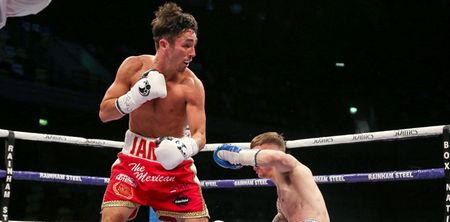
299 197
162 117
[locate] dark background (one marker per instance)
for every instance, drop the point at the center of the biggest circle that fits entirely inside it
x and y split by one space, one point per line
266 65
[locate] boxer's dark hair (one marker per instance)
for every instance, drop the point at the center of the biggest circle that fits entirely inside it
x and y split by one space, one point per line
170 21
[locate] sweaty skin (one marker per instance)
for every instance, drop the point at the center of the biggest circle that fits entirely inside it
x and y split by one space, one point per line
184 104
299 197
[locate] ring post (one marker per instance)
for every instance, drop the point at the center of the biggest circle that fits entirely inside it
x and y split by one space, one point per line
446 150
153 217
6 189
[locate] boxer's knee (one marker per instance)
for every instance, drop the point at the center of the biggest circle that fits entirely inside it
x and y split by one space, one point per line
117 214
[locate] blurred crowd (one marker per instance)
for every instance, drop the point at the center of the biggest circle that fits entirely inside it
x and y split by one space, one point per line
32 52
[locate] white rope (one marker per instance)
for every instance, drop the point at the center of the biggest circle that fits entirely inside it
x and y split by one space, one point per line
62 139
400 134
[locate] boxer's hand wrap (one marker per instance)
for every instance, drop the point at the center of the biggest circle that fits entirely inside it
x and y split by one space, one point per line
151 85
233 157
172 151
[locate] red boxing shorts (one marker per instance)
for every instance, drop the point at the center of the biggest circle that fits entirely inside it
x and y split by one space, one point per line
137 178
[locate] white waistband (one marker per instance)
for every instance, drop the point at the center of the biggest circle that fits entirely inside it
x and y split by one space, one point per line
129 140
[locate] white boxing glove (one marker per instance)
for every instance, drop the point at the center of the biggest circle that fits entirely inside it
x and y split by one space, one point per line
233 157
171 151
151 85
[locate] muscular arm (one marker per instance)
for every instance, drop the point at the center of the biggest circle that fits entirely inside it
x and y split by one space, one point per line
169 153
281 161
119 87
195 109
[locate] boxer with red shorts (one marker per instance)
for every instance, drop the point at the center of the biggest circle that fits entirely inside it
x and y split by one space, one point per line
162 97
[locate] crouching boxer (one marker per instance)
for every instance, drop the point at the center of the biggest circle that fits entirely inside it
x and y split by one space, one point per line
299 197
161 96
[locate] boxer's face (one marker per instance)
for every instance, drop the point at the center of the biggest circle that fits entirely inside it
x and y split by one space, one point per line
182 51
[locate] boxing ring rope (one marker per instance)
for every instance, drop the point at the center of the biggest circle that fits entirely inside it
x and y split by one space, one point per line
425 174
390 135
